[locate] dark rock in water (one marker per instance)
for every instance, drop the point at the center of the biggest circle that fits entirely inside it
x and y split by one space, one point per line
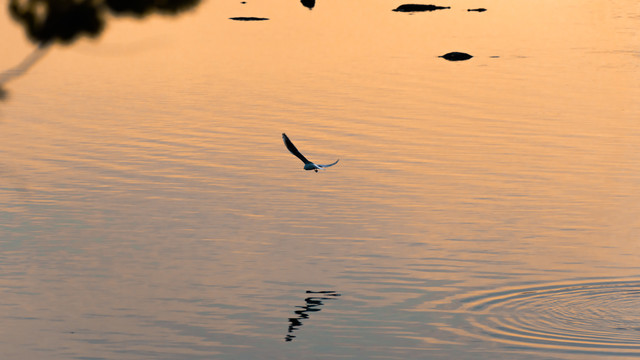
478 9
308 3
456 56
419 7
249 18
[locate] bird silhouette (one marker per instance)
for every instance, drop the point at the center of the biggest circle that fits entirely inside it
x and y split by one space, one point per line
308 165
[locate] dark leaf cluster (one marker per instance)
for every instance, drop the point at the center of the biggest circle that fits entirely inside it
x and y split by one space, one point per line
47 21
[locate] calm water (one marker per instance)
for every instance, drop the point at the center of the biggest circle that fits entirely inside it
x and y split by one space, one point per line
487 208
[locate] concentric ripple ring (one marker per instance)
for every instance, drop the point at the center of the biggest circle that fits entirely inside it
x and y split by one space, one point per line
601 317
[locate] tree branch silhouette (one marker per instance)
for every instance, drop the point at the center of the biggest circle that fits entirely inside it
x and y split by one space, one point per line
64 21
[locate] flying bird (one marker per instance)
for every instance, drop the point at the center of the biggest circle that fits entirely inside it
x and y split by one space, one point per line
308 165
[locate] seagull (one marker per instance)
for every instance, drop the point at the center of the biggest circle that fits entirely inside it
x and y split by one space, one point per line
308 165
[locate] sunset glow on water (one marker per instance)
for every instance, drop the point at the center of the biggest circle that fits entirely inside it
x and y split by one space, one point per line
481 209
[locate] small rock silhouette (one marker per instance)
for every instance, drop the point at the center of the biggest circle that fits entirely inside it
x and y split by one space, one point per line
456 56
248 18
419 7
309 4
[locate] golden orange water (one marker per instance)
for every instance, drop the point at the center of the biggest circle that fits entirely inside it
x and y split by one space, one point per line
149 209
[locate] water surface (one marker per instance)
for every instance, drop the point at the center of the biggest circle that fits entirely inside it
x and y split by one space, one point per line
481 209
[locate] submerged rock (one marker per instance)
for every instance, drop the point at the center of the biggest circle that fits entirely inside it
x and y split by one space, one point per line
456 56
248 18
478 9
419 7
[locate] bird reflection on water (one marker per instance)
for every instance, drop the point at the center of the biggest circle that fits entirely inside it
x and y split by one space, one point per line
312 304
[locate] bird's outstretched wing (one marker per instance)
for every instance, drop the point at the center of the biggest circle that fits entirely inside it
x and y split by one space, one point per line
326 166
293 149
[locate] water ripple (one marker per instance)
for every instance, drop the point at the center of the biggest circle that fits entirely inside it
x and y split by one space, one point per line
601 317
